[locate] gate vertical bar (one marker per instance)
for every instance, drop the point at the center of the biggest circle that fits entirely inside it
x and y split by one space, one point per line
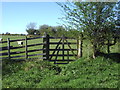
63 46
68 56
26 53
81 45
56 56
46 47
8 41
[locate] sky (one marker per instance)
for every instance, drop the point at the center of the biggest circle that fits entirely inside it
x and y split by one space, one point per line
16 15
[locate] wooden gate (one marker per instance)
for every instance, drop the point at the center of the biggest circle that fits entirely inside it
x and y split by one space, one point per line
63 46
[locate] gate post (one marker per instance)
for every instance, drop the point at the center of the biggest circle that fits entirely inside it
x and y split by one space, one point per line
63 46
80 46
8 41
26 52
46 47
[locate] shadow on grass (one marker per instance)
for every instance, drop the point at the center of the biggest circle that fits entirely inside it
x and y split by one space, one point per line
113 56
10 66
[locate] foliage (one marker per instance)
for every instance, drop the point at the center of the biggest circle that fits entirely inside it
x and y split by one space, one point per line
7 33
31 25
118 13
73 33
118 20
60 30
96 19
55 31
46 29
31 29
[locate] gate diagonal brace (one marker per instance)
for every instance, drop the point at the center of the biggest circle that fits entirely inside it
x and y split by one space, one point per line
56 56
70 48
55 48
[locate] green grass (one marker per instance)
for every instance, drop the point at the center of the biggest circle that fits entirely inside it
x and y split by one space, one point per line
82 73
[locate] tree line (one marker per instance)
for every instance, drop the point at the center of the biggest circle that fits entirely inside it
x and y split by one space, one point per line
55 31
8 33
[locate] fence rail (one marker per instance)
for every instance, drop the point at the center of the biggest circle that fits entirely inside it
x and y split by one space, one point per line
62 43
63 49
60 38
45 49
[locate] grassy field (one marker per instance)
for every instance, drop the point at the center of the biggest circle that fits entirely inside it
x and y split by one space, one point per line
102 72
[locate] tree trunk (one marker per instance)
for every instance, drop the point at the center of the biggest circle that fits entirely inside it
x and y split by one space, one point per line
108 47
80 46
95 51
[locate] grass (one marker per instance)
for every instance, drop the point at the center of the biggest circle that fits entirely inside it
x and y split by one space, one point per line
102 72
82 73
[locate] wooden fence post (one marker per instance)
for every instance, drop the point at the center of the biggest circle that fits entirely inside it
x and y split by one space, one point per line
8 41
80 46
26 53
46 47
